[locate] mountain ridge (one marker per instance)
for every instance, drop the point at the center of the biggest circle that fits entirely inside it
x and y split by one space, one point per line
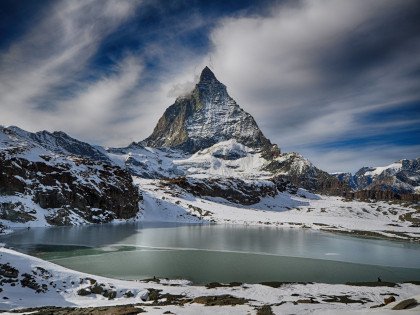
401 177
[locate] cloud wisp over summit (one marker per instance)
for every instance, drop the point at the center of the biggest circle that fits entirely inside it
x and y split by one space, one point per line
335 80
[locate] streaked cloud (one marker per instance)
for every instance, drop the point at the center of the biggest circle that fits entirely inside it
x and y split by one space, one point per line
318 76
53 56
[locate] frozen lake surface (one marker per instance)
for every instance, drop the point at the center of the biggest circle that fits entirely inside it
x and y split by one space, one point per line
223 253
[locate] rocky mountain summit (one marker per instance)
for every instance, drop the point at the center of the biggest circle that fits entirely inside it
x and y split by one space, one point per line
204 117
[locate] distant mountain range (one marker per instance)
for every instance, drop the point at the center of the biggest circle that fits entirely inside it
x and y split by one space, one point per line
401 177
204 143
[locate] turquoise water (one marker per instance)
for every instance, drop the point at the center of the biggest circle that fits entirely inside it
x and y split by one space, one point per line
224 253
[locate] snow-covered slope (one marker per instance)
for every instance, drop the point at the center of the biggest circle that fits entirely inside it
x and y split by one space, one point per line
31 282
15 140
178 201
225 159
147 162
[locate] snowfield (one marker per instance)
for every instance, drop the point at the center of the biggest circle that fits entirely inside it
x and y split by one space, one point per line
32 282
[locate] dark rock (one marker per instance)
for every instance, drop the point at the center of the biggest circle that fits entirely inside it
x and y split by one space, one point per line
213 285
15 212
6 270
346 299
84 292
232 189
96 289
307 301
30 282
265 310
154 294
216 300
405 304
389 299
111 294
128 294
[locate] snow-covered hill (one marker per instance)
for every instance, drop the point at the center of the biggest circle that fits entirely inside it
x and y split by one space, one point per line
51 178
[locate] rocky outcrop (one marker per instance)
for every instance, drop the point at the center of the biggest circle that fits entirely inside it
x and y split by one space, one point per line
45 171
97 192
377 194
232 189
204 117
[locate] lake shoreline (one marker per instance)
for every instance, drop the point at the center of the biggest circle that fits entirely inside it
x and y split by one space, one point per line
39 284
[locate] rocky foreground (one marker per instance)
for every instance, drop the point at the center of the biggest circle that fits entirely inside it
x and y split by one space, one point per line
29 284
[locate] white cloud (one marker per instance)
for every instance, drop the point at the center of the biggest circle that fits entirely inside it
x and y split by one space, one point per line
293 70
307 72
54 54
99 110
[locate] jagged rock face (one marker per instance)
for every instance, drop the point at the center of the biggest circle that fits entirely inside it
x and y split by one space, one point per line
64 185
206 116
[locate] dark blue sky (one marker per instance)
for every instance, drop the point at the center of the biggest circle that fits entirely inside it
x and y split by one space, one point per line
335 80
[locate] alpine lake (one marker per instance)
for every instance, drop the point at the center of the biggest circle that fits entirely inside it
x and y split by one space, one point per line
219 253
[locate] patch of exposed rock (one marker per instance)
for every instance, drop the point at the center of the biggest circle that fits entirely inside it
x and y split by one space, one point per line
232 189
95 191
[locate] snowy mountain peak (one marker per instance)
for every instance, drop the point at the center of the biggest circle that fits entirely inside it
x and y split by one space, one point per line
207 76
204 117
